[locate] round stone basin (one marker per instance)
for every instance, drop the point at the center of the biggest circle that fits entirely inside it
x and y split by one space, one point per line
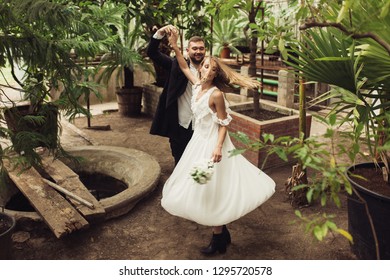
137 169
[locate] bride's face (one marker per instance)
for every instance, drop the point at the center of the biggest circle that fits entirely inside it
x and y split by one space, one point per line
208 70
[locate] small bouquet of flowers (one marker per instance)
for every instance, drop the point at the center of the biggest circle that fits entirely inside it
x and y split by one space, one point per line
202 171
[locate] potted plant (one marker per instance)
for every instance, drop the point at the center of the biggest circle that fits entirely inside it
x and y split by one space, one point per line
348 46
226 36
125 56
38 38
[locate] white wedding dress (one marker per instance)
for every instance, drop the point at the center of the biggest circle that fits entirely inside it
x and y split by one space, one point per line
237 186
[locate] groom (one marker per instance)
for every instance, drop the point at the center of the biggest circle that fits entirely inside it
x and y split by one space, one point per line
173 115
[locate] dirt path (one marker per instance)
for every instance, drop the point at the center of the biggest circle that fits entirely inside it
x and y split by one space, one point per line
148 232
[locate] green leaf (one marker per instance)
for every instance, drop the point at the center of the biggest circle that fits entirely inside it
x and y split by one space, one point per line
332 119
385 10
241 137
324 228
323 199
309 194
281 44
281 153
331 225
336 199
333 59
346 234
236 152
268 137
302 13
318 233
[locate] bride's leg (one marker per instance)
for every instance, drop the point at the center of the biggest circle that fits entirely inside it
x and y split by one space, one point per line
217 230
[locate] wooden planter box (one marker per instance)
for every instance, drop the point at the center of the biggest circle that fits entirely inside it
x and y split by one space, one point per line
284 126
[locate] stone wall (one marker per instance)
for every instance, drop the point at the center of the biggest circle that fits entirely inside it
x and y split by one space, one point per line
107 90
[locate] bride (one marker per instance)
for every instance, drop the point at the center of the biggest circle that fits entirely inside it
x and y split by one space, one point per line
234 187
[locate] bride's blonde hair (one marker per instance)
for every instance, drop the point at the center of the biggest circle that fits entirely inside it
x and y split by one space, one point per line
226 77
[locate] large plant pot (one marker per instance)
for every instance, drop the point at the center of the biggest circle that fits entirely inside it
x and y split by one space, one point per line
161 75
358 221
129 101
7 226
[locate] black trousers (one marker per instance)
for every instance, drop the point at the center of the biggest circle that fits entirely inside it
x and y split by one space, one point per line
179 143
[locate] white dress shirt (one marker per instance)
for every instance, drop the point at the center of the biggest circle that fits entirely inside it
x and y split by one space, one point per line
184 103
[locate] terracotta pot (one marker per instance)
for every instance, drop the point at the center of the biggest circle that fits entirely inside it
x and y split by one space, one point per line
225 53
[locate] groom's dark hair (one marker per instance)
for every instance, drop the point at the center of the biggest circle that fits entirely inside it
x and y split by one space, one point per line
195 39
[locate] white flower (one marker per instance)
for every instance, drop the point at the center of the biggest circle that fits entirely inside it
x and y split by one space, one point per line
202 180
202 171
208 174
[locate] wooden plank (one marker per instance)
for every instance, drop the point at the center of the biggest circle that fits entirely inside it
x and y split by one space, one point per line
68 193
69 180
54 209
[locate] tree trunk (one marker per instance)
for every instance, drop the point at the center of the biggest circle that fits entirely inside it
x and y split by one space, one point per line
302 111
128 77
252 58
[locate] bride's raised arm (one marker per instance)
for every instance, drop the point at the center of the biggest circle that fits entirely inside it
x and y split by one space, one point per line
173 36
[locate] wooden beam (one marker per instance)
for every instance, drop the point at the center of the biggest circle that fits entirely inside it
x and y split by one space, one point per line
70 181
54 209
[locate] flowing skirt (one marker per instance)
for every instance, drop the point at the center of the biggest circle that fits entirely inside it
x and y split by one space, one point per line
236 187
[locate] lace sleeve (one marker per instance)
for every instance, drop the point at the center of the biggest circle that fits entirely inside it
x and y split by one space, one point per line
224 122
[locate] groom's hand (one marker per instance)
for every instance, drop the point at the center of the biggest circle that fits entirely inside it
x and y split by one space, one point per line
166 30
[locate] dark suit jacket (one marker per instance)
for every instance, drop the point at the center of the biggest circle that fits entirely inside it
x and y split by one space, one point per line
166 119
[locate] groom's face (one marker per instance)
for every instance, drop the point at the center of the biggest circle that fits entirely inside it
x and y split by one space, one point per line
196 52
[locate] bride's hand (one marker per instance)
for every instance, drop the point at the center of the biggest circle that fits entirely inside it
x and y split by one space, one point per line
217 154
173 36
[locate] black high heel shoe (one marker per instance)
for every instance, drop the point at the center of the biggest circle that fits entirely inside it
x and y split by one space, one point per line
226 233
218 243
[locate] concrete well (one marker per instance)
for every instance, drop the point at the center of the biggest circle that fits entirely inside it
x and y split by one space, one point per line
137 169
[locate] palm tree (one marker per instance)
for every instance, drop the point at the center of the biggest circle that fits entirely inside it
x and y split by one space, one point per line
348 46
350 49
